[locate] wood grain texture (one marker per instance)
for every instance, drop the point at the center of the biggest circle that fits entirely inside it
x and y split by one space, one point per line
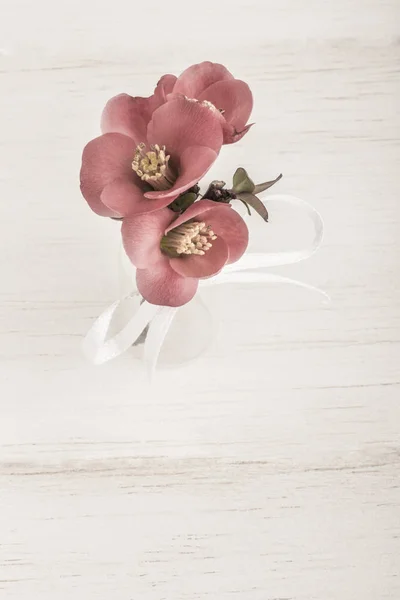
269 468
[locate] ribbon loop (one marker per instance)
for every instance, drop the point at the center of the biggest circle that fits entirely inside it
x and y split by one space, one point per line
260 260
99 349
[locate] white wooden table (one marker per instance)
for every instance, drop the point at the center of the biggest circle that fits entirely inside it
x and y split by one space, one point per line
269 468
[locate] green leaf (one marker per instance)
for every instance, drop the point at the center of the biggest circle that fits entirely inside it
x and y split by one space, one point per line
255 203
261 187
246 205
183 202
242 182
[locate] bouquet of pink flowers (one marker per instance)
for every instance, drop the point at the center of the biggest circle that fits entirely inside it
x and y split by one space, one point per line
145 169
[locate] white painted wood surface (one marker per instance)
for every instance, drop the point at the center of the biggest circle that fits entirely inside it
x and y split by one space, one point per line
268 469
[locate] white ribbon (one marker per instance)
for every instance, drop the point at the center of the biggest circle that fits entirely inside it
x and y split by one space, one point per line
98 349
249 269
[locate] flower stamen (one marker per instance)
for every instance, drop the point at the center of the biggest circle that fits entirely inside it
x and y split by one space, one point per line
153 166
189 238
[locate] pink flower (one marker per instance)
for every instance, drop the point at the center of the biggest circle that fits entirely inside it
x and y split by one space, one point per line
172 253
144 166
214 83
206 81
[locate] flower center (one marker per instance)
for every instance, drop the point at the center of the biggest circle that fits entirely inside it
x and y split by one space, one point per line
153 166
189 238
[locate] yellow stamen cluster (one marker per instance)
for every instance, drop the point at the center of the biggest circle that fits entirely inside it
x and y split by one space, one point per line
153 166
188 238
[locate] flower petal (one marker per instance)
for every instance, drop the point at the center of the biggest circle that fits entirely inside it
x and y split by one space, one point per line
235 99
231 227
198 77
161 285
164 87
180 123
130 115
126 198
206 265
195 161
141 237
127 115
105 159
197 209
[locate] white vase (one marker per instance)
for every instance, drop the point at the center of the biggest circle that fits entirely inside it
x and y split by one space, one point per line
192 329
